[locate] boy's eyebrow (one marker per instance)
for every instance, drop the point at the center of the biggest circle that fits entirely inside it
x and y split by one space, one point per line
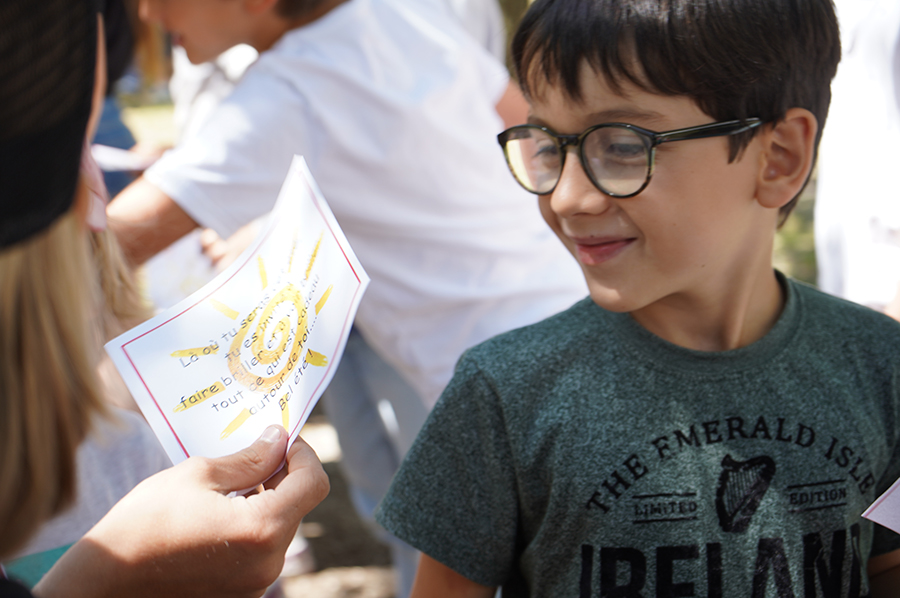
645 117
626 115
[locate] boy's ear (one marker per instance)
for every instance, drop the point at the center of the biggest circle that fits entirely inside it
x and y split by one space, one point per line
787 157
259 6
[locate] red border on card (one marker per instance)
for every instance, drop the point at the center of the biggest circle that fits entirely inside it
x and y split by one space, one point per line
318 206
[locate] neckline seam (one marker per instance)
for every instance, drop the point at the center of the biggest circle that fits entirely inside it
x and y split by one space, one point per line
656 353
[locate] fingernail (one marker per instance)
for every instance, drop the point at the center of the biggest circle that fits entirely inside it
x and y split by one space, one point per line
272 434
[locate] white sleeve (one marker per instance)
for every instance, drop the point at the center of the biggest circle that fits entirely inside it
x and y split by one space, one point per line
483 19
230 172
497 80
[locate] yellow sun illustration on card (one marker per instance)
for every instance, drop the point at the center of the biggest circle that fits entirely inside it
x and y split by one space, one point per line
270 342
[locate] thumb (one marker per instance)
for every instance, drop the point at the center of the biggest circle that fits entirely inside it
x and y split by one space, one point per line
251 466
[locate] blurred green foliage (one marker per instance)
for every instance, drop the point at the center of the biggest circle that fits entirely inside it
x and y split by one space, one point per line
795 248
513 10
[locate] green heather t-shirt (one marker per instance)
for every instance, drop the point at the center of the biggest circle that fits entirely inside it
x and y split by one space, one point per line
583 456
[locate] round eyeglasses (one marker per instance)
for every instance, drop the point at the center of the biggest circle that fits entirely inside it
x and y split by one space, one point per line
617 157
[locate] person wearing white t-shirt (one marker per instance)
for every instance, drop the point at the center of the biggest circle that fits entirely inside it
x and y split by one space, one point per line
857 214
394 107
197 89
483 19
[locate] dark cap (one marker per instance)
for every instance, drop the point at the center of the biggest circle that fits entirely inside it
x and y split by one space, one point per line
47 62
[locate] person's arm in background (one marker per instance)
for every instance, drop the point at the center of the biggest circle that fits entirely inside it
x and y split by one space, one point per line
512 107
893 308
179 534
145 221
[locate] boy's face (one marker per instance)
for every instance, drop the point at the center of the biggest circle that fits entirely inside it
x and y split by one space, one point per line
205 28
693 233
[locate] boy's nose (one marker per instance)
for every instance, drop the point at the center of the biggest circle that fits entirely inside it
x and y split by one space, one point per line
575 193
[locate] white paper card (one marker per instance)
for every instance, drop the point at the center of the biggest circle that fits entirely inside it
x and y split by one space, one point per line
886 510
258 344
114 159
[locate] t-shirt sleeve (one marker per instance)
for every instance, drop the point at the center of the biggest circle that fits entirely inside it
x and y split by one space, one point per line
454 497
230 172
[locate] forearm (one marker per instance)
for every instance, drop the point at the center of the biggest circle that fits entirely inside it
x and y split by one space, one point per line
512 107
893 308
145 221
179 533
85 570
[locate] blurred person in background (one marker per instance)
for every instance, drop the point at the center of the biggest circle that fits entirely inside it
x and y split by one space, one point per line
857 211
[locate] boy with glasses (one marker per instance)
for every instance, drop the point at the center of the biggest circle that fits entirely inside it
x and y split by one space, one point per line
701 425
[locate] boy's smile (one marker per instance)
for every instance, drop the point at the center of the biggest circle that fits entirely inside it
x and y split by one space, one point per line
686 254
592 251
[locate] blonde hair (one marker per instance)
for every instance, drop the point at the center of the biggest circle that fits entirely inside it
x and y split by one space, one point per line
123 305
49 393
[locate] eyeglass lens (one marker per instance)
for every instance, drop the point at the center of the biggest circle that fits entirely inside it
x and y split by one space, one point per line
617 159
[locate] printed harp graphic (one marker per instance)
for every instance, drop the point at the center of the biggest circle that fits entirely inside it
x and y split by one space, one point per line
742 485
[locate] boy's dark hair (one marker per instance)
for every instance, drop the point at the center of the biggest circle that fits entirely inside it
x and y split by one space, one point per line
736 58
292 9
